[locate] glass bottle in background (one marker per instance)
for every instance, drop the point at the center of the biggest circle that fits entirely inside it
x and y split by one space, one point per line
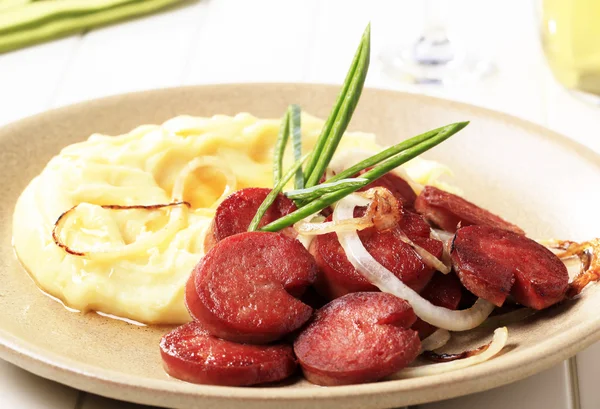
435 56
571 42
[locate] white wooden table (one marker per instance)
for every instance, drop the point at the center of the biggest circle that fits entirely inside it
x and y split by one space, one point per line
215 41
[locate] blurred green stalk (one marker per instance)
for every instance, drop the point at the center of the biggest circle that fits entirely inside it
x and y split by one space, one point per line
27 22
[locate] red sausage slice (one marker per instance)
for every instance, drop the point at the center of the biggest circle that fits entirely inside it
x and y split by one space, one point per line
235 213
395 184
491 263
245 288
447 211
361 337
338 277
444 290
191 354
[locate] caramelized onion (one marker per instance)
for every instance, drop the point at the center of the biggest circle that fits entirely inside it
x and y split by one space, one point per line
176 218
587 252
383 212
435 357
386 281
492 349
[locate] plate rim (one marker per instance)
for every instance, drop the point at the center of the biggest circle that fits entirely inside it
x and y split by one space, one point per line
97 380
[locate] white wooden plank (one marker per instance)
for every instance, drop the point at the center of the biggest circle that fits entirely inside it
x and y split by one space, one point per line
145 53
588 365
22 390
543 391
254 41
29 77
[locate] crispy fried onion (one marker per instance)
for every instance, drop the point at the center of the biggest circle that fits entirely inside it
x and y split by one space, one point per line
436 340
386 281
176 219
588 253
383 211
202 162
492 349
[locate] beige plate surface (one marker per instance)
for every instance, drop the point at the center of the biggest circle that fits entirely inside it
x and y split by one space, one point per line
529 175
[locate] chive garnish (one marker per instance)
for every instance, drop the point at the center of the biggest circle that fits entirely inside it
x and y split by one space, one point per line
376 172
340 115
280 143
311 193
313 197
295 129
387 153
274 192
372 161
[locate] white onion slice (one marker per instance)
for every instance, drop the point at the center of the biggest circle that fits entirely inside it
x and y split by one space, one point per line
387 282
441 235
306 239
428 258
316 229
436 340
498 343
446 239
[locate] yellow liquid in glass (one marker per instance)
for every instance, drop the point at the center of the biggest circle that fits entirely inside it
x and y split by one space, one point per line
571 41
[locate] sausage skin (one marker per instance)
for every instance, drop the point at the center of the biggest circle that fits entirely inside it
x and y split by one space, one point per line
493 263
235 213
191 354
358 338
244 289
448 211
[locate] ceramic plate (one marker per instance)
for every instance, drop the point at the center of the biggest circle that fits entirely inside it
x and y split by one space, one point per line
531 176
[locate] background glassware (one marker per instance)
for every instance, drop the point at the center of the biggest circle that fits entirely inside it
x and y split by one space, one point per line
570 31
435 56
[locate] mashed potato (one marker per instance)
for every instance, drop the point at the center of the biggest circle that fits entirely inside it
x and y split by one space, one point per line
135 262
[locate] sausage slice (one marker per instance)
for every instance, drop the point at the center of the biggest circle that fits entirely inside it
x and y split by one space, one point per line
235 213
492 263
191 354
338 277
244 289
358 338
448 211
